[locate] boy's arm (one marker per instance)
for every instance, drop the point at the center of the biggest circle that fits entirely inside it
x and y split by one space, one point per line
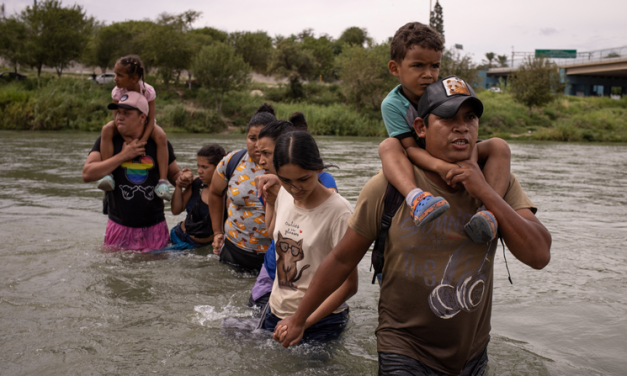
150 126
421 158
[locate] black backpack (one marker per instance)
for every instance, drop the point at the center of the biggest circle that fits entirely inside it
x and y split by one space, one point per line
232 165
392 200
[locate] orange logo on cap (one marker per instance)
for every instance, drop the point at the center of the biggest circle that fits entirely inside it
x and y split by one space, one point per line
454 86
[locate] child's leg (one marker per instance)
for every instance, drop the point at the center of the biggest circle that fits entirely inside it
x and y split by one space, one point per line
159 137
496 155
397 168
399 171
109 130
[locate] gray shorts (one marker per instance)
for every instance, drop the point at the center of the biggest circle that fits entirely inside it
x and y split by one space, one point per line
401 365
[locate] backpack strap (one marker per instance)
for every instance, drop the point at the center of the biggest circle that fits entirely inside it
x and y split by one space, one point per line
232 165
392 200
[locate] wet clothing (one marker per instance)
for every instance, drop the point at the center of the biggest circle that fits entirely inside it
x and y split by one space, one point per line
232 255
198 220
265 280
133 202
328 328
400 365
246 223
436 295
144 239
303 238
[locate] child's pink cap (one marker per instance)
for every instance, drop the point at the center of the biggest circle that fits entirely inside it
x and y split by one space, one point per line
132 101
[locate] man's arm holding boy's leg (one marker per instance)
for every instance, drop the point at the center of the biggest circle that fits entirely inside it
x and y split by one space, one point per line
331 274
523 233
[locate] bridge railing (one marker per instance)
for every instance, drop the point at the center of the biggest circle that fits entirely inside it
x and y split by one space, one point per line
606 54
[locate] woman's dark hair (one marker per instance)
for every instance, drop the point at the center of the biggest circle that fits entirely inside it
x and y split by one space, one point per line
264 116
298 119
298 148
276 128
214 153
133 65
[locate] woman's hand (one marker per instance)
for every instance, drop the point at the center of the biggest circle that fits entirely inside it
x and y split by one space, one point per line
288 332
268 187
218 242
185 178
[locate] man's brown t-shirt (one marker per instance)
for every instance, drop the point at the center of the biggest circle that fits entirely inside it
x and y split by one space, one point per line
436 296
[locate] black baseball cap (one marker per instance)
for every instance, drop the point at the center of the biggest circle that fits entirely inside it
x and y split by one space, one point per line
444 97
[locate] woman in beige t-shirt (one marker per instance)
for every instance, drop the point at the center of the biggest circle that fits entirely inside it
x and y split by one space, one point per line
307 220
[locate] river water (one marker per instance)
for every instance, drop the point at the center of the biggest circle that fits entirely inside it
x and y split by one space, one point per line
67 307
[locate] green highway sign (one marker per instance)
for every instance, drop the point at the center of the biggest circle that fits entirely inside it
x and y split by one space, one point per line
557 54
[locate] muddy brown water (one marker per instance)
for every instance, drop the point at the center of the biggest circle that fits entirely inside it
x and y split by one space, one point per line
67 307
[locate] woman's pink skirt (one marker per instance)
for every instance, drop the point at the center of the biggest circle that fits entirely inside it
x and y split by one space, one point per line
141 239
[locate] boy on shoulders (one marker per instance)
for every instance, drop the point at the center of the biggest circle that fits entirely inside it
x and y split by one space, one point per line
416 57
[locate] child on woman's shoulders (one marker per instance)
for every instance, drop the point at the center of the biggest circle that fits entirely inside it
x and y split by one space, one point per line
129 76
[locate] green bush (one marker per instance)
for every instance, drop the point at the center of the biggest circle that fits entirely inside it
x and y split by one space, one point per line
176 118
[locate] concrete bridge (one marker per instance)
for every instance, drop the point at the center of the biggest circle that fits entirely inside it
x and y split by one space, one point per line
591 74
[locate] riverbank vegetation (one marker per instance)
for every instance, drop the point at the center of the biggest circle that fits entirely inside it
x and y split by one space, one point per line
203 80
75 103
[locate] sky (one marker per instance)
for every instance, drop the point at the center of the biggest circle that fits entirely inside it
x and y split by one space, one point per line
480 26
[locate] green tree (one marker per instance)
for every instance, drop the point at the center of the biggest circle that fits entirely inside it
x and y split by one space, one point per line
537 82
489 57
103 48
255 48
354 36
56 35
220 69
166 46
436 19
364 74
169 50
292 61
322 50
453 62
502 59
12 40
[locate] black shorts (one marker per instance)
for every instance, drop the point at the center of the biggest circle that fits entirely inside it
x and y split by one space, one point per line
248 261
401 365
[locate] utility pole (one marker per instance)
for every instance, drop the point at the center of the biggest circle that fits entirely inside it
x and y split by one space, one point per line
512 56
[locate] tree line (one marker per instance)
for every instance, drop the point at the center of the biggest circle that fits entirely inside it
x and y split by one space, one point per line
53 35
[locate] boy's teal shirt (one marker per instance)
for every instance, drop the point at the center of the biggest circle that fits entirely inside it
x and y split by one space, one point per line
398 114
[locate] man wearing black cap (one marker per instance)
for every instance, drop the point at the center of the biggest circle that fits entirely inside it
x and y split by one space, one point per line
136 219
436 291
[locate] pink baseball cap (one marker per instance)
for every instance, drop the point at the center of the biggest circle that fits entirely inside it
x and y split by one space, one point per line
132 101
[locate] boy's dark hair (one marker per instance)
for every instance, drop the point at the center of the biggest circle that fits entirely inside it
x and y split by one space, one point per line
298 148
414 34
213 152
263 116
133 65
